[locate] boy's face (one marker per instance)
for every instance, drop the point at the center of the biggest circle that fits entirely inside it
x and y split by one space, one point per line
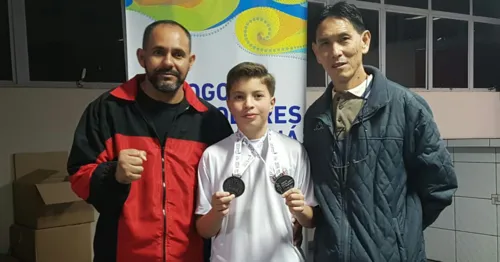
250 103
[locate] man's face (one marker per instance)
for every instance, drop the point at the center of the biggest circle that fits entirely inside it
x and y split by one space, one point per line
166 58
339 48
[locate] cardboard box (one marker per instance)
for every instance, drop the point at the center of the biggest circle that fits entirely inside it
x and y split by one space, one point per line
43 197
64 244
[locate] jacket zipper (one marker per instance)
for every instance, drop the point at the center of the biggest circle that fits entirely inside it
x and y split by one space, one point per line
164 198
164 189
164 185
345 222
345 230
344 241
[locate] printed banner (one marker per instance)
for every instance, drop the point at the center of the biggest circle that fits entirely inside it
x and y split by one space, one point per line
227 32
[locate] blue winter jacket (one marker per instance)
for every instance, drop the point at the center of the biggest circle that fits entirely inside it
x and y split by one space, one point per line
398 176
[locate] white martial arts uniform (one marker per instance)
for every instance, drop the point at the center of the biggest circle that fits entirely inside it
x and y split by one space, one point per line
258 227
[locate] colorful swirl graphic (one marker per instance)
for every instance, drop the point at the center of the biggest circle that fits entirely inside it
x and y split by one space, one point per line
262 27
195 15
264 30
291 2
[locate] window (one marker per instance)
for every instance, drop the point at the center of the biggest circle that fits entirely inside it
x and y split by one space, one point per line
406 49
316 76
5 48
486 55
425 43
454 6
409 3
450 52
370 18
487 8
67 37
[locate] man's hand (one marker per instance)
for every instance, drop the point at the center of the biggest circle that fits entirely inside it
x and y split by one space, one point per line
220 202
294 200
129 166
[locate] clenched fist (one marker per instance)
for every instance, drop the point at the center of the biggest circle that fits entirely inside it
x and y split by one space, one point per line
129 166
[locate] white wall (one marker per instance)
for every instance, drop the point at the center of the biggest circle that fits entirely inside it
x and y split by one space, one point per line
37 120
468 230
459 114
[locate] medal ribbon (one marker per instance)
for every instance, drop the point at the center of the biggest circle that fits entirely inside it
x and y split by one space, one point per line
238 146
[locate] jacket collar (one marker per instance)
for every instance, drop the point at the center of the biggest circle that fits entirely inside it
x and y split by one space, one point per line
379 93
128 91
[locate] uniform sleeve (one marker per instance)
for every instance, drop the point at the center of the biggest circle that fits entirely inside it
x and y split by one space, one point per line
91 164
304 174
205 186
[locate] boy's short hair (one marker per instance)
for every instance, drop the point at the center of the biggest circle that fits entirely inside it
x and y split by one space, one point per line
248 70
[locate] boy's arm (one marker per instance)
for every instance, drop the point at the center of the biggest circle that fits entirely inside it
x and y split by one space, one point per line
306 217
208 223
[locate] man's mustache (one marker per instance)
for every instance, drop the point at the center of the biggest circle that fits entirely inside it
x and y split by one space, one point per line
167 72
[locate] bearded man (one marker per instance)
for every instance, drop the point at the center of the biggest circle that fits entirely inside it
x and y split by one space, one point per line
136 151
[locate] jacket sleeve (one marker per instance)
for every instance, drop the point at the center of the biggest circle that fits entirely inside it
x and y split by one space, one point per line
92 163
433 174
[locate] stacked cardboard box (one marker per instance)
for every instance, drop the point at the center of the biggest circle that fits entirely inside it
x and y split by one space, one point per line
51 222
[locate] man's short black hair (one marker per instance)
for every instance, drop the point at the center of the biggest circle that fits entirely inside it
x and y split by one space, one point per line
345 11
149 29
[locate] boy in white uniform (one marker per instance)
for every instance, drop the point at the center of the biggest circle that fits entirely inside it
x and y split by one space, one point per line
255 183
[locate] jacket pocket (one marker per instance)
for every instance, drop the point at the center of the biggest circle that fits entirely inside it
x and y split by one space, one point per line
399 238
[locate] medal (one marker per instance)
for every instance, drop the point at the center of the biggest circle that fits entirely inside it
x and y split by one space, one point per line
234 185
283 184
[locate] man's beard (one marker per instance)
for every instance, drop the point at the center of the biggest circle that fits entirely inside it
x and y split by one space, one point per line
157 80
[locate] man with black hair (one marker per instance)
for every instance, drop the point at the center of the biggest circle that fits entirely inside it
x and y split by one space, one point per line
381 171
136 151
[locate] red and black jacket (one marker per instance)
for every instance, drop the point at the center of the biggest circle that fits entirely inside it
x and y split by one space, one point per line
152 219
